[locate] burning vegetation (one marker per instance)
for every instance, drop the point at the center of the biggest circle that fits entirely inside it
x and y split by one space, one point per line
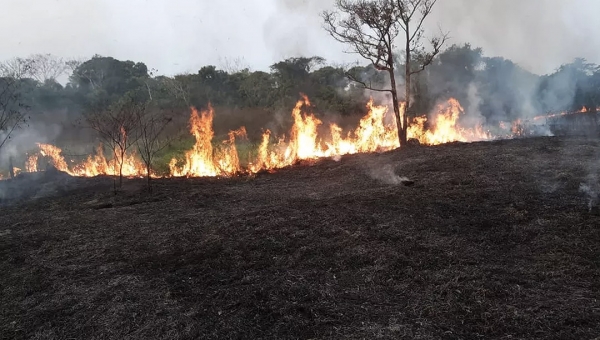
305 141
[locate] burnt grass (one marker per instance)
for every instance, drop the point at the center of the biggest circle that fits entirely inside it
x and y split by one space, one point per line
493 241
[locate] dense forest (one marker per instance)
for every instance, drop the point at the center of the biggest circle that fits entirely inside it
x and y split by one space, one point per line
491 89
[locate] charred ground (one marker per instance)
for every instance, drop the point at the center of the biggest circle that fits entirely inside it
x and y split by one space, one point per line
494 240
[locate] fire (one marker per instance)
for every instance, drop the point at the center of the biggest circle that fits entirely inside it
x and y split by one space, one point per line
307 139
31 165
584 109
54 153
305 142
203 160
517 128
94 165
445 127
97 164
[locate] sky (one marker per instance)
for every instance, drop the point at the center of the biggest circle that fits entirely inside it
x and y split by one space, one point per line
177 36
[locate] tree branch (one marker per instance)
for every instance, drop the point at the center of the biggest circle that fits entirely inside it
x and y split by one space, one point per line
364 84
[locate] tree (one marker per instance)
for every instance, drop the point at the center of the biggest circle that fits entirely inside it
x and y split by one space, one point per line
106 79
16 68
371 27
12 111
47 67
118 127
292 76
151 124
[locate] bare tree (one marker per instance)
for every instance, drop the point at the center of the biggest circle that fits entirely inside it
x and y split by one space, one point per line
47 67
118 128
234 65
177 87
371 27
151 124
12 111
16 68
95 78
74 63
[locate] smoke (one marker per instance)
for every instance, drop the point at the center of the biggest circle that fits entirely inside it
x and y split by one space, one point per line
24 139
538 35
386 175
591 190
473 116
590 187
518 31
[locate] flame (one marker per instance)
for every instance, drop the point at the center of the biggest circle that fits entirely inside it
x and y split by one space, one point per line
584 109
31 165
517 128
445 127
202 160
94 165
305 143
97 164
306 140
56 159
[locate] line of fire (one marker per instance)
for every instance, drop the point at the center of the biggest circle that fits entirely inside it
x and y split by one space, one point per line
376 132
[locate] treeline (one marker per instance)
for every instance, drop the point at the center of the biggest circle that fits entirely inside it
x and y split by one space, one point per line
491 87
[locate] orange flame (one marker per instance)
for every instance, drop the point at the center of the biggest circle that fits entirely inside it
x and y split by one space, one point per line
305 143
202 160
31 165
94 165
445 127
375 132
517 128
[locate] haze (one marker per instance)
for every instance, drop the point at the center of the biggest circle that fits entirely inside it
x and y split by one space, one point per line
183 35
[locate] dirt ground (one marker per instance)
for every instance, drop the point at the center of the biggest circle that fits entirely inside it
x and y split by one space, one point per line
493 241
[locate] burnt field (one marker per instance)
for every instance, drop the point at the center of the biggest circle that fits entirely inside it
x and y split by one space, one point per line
493 240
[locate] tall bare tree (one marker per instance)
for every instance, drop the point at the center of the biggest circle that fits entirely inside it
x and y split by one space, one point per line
118 127
47 67
371 27
151 124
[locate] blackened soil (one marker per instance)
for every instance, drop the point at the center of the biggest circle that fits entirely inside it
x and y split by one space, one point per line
492 241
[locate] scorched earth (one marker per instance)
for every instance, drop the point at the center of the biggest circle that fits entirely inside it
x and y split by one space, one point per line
494 240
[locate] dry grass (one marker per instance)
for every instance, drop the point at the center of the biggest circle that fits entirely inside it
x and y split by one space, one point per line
493 241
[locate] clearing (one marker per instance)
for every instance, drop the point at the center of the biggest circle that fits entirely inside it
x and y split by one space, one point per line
494 240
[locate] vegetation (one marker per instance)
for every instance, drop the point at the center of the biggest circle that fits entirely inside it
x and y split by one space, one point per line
371 28
491 89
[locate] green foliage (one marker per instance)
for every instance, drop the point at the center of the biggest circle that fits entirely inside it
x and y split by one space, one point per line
495 87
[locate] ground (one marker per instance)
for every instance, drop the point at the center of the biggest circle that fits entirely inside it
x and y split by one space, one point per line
493 241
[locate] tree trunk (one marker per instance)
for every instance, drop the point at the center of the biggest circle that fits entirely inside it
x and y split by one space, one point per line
148 176
121 169
396 105
11 169
407 84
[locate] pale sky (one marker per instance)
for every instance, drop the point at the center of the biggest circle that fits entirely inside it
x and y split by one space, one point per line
177 36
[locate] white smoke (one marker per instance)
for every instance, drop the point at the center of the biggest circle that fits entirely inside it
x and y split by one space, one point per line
25 138
387 175
591 192
591 186
473 116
